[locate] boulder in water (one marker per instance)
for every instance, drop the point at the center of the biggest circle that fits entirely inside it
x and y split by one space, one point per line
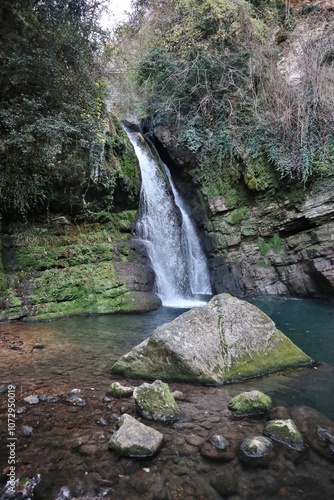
156 402
227 340
134 439
285 431
251 403
256 450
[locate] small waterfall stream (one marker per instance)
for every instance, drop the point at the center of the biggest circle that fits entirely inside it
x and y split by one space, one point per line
169 235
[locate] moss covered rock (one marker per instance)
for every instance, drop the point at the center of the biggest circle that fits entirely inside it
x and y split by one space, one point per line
156 402
250 403
134 439
285 431
227 340
116 390
255 450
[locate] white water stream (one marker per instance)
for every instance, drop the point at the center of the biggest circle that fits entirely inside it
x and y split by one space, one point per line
169 235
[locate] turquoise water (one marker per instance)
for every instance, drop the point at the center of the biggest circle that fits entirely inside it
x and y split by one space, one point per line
308 323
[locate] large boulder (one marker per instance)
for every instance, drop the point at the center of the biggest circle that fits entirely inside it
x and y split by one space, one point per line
225 341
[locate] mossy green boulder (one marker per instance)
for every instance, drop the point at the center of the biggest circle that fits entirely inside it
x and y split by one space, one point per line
226 341
156 402
285 431
250 403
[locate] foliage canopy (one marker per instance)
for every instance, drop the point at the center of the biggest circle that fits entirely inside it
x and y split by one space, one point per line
52 100
211 71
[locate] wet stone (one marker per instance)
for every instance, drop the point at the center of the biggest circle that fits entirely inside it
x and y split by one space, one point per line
116 390
225 453
135 439
32 400
101 421
26 430
285 431
256 450
251 403
219 442
194 440
156 402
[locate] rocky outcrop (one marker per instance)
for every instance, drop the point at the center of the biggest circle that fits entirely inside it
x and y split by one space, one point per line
63 268
285 247
227 340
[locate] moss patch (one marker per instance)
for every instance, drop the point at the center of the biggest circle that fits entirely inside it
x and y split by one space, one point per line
279 354
250 403
156 402
285 432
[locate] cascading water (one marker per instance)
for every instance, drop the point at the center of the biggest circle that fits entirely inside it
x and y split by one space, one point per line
169 235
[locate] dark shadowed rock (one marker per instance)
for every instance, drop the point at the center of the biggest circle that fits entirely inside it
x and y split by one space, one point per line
227 340
255 450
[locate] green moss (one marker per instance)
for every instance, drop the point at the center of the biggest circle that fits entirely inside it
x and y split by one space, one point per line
285 432
260 174
250 403
237 215
279 354
158 363
116 390
156 402
275 243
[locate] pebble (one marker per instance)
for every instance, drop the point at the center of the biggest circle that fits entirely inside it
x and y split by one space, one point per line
32 400
26 430
102 421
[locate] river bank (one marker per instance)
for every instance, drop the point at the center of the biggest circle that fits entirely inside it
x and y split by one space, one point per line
68 445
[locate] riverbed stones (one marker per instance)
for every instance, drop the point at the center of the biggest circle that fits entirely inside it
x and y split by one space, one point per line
227 340
156 402
285 431
255 450
117 390
218 447
251 403
134 439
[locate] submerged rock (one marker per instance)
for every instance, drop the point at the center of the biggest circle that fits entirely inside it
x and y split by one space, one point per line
134 439
217 447
116 390
249 404
32 400
285 432
225 341
156 402
255 450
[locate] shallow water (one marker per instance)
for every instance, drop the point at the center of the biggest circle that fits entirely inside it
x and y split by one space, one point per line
69 448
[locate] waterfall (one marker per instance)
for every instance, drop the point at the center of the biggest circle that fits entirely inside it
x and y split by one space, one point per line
168 233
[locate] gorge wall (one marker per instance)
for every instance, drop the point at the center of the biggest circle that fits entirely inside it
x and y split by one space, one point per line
276 239
79 257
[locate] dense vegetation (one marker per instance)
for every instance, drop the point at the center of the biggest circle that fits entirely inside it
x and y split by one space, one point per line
51 102
212 71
